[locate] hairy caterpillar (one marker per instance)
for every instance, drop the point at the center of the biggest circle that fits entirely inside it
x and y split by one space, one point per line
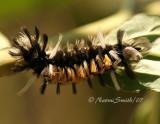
78 61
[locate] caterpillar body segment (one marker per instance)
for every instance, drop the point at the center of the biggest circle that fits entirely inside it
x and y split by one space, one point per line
75 62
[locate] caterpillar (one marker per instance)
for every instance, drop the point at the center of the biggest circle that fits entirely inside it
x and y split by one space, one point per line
75 62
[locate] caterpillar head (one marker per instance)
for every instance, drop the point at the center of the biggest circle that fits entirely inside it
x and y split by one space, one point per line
131 54
131 51
134 50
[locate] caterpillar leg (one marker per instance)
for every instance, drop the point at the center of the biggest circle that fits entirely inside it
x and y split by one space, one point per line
90 83
101 81
58 88
44 86
74 88
114 79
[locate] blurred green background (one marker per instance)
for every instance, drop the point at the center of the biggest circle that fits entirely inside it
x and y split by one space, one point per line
54 17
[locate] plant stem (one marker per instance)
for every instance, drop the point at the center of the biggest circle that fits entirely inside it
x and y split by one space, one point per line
6 62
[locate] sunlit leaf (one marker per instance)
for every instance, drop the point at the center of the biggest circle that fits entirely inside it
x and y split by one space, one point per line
148 69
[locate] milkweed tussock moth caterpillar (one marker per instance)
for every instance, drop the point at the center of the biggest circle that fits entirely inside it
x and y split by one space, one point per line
74 62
